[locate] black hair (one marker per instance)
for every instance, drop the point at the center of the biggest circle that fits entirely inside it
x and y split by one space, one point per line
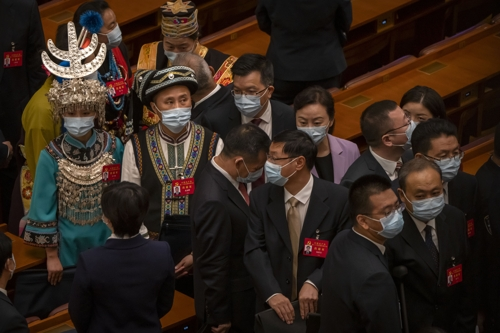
496 141
315 95
425 132
416 165
251 62
298 143
428 97
125 204
375 121
5 250
97 5
246 140
361 191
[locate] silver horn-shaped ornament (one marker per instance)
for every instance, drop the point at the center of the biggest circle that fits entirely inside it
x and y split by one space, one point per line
75 56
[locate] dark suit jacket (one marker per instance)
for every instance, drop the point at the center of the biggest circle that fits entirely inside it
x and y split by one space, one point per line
366 164
222 122
19 23
462 192
363 297
430 302
4 150
223 287
127 285
12 321
268 249
304 37
218 103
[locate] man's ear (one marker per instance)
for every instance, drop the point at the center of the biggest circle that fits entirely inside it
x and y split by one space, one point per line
419 155
270 91
212 70
360 219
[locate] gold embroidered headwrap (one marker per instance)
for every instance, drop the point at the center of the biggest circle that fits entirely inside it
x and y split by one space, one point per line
179 19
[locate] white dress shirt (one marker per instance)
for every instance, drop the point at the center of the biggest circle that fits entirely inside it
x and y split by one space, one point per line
388 166
130 172
380 246
3 291
303 196
216 89
267 120
114 236
421 228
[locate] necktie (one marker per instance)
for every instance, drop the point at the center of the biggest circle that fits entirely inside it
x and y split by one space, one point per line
431 246
243 189
256 121
294 227
399 164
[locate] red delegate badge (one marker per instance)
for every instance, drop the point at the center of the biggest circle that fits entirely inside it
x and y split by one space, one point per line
470 228
111 172
315 248
183 187
117 88
12 59
454 275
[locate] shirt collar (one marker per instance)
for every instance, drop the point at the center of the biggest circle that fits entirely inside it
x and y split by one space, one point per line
266 116
224 173
304 194
380 246
421 225
3 291
180 139
114 236
216 89
75 143
387 165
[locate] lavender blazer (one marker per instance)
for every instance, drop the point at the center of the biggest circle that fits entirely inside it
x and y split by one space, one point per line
344 153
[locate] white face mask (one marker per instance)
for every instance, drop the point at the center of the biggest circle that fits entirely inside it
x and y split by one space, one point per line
175 119
171 55
317 134
408 133
449 168
114 37
78 126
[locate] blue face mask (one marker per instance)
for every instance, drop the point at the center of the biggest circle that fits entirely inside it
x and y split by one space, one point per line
252 176
248 105
273 173
427 209
408 133
78 126
317 134
175 119
391 224
449 168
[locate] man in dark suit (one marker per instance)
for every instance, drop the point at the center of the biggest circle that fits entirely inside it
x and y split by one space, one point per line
11 320
224 293
21 38
252 89
306 42
387 130
293 210
210 96
127 285
359 294
433 247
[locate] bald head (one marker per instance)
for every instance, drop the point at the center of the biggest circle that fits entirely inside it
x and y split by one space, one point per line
203 73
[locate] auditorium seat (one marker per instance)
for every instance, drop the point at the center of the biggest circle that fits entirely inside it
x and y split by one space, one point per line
366 77
32 319
58 310
3 227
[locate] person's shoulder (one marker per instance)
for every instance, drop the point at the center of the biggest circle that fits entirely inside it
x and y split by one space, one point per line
217 54
464 177
262 192
452 214
330 187
277 105
345 143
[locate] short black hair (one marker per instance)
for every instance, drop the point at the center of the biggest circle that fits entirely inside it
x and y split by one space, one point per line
361 191
5 250
428 97
246 140
97 5
125 204
496 141
375 121
425 132
298 143
315 95
251 62
416 165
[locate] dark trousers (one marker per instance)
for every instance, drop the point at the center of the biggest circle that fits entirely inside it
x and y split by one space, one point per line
285 91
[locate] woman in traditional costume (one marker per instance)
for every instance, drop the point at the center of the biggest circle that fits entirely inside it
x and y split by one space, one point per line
65 215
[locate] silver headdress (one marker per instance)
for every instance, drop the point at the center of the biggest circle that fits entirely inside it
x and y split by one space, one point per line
76 92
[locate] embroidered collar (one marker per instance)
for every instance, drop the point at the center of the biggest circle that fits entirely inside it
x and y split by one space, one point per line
179 140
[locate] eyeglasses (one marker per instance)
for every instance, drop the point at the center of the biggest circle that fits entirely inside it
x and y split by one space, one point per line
408 118
238 93
457 157
273 160
399 208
